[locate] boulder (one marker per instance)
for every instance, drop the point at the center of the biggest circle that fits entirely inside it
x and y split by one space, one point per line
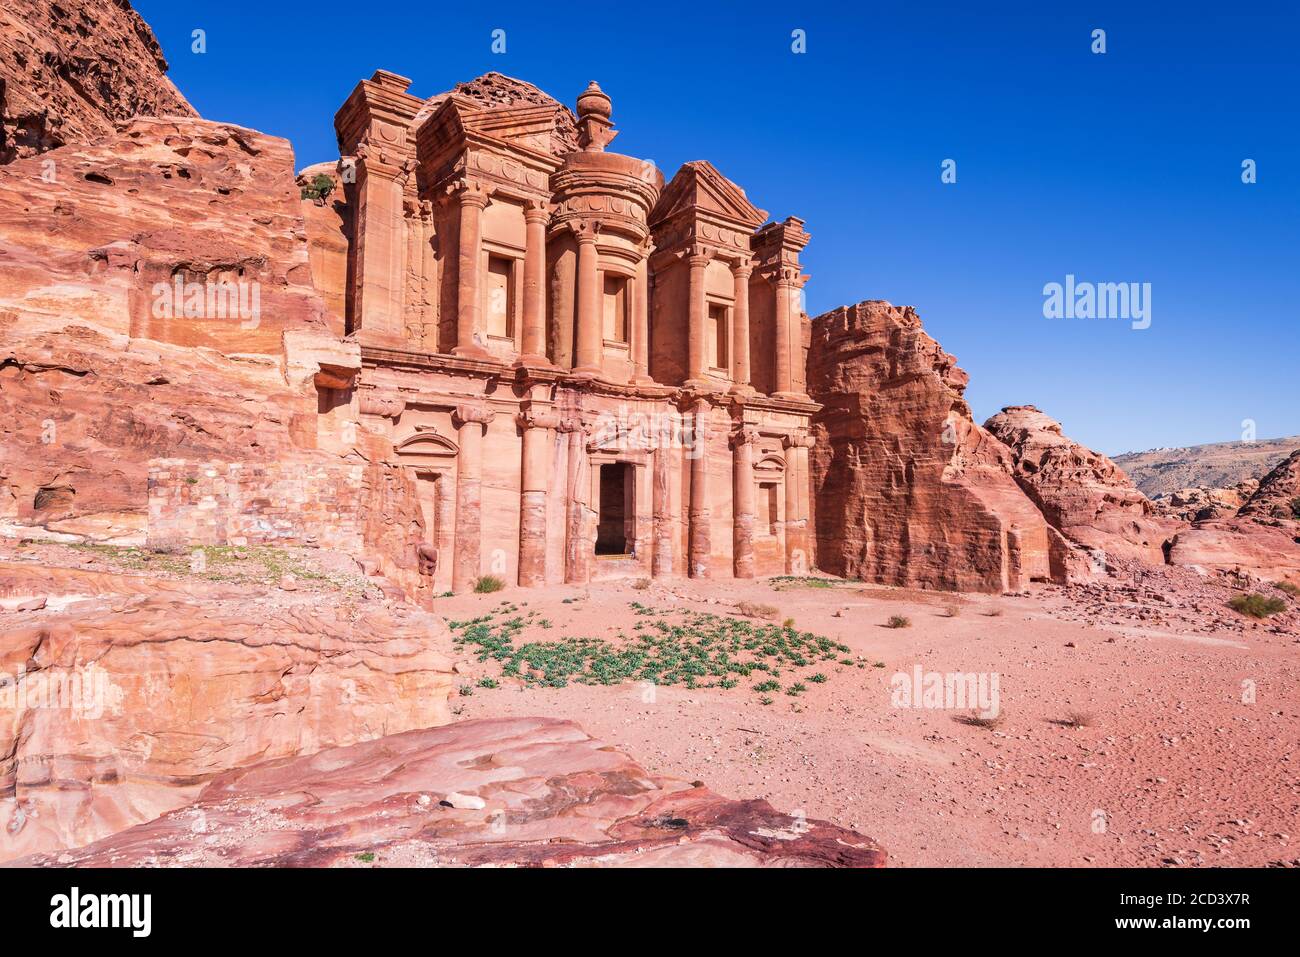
535 792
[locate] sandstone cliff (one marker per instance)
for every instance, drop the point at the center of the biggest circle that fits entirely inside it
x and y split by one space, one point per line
70 69
909 490
1160 472
1083 494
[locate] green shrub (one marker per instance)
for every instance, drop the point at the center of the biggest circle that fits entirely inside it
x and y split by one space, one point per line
321 186
1256 605
488 584
1295 507
1290 588
898 621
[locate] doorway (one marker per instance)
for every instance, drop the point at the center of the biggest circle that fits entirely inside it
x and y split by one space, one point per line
615 533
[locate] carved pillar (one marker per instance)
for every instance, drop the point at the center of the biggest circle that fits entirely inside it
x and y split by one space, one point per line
740 328
533 346
641 319
797 557
536 426
590 347
784 280
471 422
473 199
742 497
696 315
380 255
662 502
577 540
798 368
700 544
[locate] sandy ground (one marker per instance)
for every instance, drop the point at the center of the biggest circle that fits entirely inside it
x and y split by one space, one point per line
1128 736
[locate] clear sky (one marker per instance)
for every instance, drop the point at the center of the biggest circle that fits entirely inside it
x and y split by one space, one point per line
1117 167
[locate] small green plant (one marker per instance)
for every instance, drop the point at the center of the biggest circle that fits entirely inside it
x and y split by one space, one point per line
898 621
1290 588
817 679
768 685
488 683
466 691
321 186
366 857
487 584
1256 605
788 623
796 689
765 700
544 623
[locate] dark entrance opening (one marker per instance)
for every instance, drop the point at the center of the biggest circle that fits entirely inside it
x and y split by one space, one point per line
614 534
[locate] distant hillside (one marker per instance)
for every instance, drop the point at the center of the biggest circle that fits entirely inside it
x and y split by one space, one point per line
1220 465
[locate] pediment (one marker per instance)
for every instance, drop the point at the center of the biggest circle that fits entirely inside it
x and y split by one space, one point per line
698 187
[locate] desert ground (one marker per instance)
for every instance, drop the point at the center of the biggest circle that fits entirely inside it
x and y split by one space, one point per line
1123 737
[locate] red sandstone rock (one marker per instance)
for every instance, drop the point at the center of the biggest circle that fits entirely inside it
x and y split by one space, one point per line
170 682
505 792
1278 495
1083 494
70 69
1200 504
909 490
1261 549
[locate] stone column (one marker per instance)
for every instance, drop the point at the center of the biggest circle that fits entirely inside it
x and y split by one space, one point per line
661 565
577 540
473 199
797 557
533 345
380 249
471 422
740 274
641 320
590 350
700 544
536 425
697 313
798 370
742 497
784 280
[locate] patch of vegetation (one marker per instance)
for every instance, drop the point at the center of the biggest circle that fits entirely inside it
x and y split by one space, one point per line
782 582
976 720
367 857
1290 588
487 584
239 564
641 584
686 648
817 679
1256 605
898 621
488 683
1295 508
1079 719
321 186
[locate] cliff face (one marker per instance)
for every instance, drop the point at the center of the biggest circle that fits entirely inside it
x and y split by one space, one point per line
70 69
909 490
1083 494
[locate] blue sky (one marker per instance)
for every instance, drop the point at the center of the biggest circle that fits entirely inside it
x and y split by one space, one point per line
1118 167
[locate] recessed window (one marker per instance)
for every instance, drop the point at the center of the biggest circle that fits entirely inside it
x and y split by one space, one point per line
615 306
499 303
716 335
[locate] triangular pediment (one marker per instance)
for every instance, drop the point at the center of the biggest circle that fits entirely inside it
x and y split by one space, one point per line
699 187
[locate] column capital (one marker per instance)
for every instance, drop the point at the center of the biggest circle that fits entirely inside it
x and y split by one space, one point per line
538 419
699 255
538 212
742 269
745 435
585 230
796 440
465 414
470 192
573 423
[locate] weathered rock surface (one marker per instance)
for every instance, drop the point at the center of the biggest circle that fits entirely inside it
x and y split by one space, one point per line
497 91
506 792
70 69
328 221
126 693
1278 494
1260 549
909 490
1083 494
1200 504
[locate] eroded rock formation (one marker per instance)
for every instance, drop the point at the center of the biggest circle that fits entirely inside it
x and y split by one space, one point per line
909 490
1083 494
1278 494
123 695
70 69
506 792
